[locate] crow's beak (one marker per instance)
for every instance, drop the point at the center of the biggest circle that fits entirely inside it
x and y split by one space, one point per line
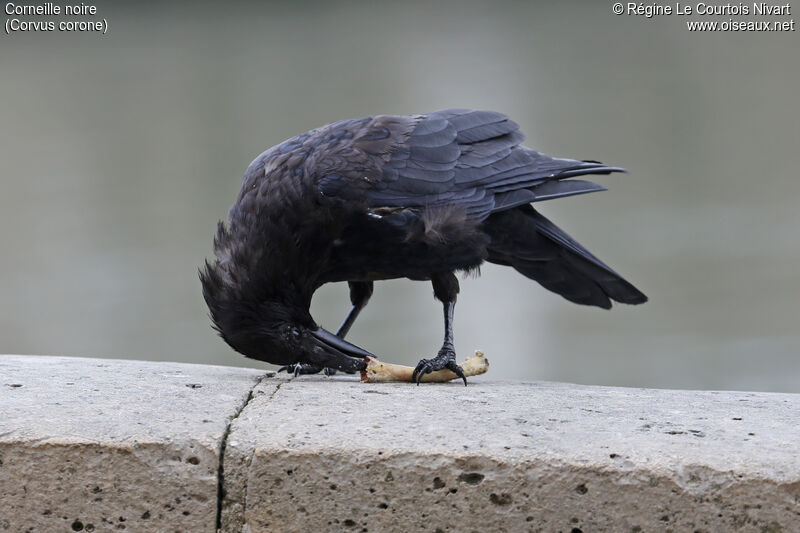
331 343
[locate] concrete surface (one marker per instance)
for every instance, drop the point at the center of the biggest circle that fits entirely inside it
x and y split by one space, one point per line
329 455
320 454
102 445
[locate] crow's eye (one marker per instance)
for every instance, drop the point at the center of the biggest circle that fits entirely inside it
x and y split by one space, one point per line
295 333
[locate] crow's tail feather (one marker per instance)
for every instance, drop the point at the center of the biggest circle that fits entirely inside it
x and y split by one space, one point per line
538 249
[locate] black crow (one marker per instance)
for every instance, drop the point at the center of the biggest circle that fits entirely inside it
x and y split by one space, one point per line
419 197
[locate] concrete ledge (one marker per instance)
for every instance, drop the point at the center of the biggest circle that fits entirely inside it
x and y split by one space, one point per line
102 445
135 445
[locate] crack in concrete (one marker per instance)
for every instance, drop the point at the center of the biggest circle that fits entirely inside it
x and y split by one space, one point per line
250 458
224 444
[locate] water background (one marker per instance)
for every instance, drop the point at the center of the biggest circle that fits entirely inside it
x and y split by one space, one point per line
119 153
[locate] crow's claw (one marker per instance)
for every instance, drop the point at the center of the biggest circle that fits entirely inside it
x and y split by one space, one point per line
457 370
446 358
304 368
422 368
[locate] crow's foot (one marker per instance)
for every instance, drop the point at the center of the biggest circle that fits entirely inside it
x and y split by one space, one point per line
304 368
446 358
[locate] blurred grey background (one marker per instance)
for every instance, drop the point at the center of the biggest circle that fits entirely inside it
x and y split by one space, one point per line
120 153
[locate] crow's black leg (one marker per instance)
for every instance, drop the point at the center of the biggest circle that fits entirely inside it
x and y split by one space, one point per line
445 288
360 293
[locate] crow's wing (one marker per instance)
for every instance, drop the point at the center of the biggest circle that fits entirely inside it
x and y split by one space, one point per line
473 159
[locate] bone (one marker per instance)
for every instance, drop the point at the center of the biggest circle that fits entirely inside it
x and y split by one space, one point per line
378 371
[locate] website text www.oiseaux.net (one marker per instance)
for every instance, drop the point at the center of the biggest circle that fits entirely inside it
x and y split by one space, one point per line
768 17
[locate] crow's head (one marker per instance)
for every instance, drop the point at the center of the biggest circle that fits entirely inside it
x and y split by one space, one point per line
277 329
